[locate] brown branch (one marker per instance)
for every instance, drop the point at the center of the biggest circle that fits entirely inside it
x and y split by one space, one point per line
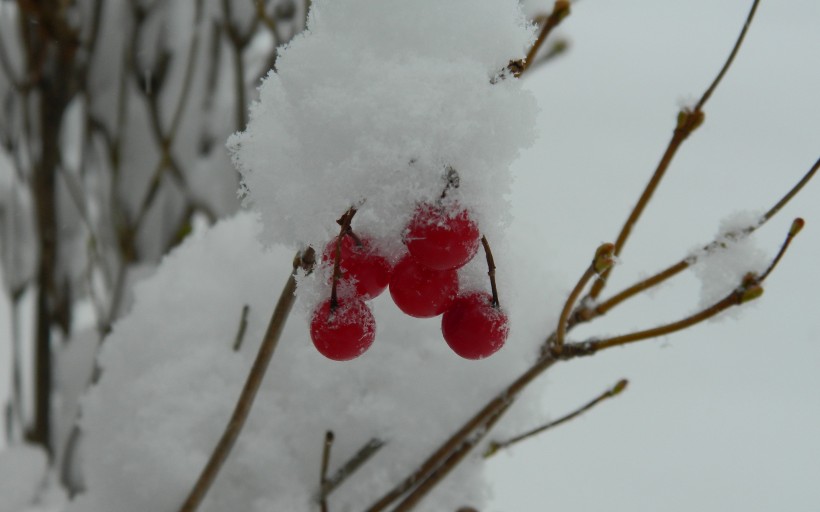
449 464
561 330
688 121
246 398
615 390
797 226
793 192
328 444
585 313
478 422
455 448
364 454
735 298
243 326
602 261
560 10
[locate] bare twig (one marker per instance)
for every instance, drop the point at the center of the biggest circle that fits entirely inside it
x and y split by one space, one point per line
328 444
585 313
560 10
243 325
797 226
246 398
602 261
615 390
414 497
735 298
688 121
364 454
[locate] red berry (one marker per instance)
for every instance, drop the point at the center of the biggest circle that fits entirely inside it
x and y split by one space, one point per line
344 333
420 291
361 263
442 237
473 327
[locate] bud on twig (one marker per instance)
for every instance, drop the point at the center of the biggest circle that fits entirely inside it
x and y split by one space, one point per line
604 258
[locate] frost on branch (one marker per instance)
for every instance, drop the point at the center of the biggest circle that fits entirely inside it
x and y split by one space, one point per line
370 105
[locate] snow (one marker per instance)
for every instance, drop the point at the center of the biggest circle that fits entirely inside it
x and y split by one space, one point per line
372 103
721 268
170 379
22 472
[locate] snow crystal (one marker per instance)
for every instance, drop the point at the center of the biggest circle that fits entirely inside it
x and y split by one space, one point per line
370 106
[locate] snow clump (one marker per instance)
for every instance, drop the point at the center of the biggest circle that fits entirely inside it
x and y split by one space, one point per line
721 268
371 104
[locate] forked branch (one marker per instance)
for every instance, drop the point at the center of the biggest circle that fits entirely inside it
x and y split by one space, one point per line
688 121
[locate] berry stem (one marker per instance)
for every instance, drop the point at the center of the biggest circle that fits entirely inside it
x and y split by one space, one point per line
490 270
344 222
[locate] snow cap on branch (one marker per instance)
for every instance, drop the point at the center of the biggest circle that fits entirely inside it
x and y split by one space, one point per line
371 105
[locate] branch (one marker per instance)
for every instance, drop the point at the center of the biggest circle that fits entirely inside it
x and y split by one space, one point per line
252 384
585 313
364 454
560 11
328 444
243 325
494 446
600 263
688 121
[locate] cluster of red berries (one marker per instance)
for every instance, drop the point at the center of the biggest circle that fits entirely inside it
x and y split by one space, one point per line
440 239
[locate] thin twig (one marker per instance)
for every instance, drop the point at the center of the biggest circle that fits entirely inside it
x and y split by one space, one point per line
437 475
494 446
561 330
328 444
733 299
246 398
455 448
797 226
749 290
243 325
560 10
478 422
793 192
708 93
364 454
187 80
602 261
688 121
585 313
